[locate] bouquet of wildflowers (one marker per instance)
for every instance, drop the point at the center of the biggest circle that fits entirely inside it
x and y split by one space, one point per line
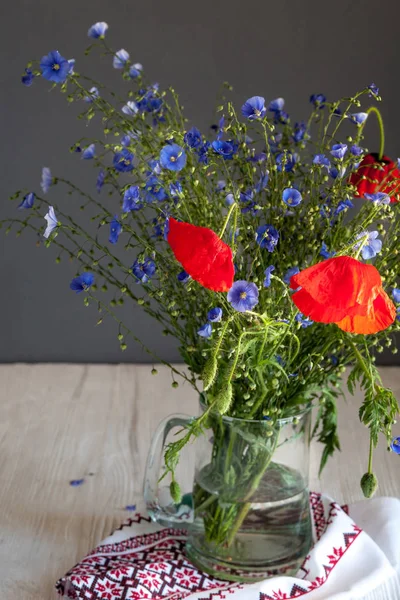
267 247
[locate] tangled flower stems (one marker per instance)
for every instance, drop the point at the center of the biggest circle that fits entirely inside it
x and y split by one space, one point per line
376 111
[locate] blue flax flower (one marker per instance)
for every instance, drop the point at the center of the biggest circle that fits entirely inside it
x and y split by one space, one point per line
289 274
396 295
243 295
395 445
372 245
175 189
89 152
378 198
82 282
276 105
358 118
123 161
100 180
71 64
321 159
131 199
225 149
254 108
28 201
205 331
52 222
291 196
173 157
262 182
115 231
373 91
299 131
47 180
267 273
98 30
193 138
318 100
335 172
28 78
267 237
229 199
215 314
154 190
143 270
325 252
202 153
304 322
54 67
343 205
287 159
130 108
120 59
135 70
259 157
183 277
356 150
339 150
93 95
221 185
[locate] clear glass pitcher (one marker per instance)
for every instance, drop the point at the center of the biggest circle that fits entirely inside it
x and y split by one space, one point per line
245 499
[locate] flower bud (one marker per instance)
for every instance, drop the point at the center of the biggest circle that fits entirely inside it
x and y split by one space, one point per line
209 372
175 491
223 399
369 484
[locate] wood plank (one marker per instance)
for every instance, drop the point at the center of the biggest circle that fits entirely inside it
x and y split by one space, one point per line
63 422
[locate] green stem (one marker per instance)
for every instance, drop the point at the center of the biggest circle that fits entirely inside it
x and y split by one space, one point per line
228 216
371 450
373 109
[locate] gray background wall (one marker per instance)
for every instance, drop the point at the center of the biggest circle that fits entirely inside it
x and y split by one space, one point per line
271 48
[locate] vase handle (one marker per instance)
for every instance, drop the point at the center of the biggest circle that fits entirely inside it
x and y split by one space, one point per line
157 497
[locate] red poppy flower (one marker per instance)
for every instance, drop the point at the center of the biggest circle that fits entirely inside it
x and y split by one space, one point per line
202 254
374 175
344 291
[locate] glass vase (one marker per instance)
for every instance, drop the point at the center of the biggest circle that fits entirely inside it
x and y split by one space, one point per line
245 499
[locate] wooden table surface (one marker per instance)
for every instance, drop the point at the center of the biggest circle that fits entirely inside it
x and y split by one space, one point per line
63 422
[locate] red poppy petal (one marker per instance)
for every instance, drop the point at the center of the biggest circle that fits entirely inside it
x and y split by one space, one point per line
337 285
203 255
374 175
381 316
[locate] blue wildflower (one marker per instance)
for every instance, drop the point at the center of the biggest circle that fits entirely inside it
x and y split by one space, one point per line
254 108
205 331
246 196
336 172
395 445
267 237
343 205
89 152
130 108
221 185
193 138
229 199
28 78
371 247
224 149
52 222
243 295
28 201
356 150
47 180
291 197
135 70
215 314
374 91
321 159
304 322
258 157
131 199
71 66
173 157
143 270
276 105
54 67
203 153
318 100
76 482
120 59
154 190
299 131
262 182
82 282
289 274
100 180
175 189
325 252
378 198
281 117
396 295
267 273
183 277
287 159
123 161
115 231
98 30
358 118
155 167
339 150
93 95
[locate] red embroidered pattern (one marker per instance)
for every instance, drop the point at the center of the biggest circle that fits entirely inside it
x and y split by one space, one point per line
153 566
